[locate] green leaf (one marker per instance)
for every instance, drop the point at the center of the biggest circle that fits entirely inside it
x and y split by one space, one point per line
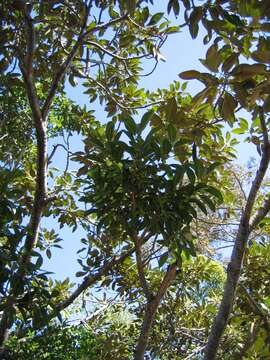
131 6
229 104
165 147
190 74
201 206
73 82
233 19
208 202
130 125
195 17
80 273
145 120
172 133
163 259
109 130
155 19
191 176
214 191
174 4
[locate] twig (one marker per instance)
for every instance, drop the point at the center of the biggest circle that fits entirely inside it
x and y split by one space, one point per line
113 55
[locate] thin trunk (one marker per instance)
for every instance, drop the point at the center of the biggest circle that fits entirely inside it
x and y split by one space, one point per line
40 126
150 312
235 265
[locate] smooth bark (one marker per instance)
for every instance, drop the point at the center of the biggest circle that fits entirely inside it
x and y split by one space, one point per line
238 253
150 312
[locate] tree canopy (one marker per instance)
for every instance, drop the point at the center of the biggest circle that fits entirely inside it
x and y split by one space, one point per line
157 190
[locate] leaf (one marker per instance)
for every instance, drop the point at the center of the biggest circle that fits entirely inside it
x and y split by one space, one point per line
214 191
233 19
172 133
131 6
109 130
48 253
130 125
213 58
191 176
229 104
229 62
212 167
201 206
73 82
190 74
266 104
80 273
165 147
243 71
163 258
155 19
113 14
261 56
201 96
173 4
145 120
195 17
156 121
4 64
171 109
209 202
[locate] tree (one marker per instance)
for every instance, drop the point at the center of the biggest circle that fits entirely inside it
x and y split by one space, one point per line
38 54
145 187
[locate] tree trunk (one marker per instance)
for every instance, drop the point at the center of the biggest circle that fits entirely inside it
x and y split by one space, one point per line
150 312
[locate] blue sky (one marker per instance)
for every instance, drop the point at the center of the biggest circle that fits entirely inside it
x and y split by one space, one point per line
182 53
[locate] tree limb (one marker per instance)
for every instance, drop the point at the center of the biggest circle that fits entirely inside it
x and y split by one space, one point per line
92 279
118 57
235 264
41 179
256 308
251 338
261 213
140 267
66 64
150 312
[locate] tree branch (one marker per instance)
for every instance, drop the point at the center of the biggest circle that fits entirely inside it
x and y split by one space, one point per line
235 265
256 307
150 312
251 338
92 279
118 57
66 64
140 267
41 179
261 213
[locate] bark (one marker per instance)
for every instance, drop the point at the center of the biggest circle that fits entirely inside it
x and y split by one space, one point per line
150 312
140 267
236 261
26 66
39 117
